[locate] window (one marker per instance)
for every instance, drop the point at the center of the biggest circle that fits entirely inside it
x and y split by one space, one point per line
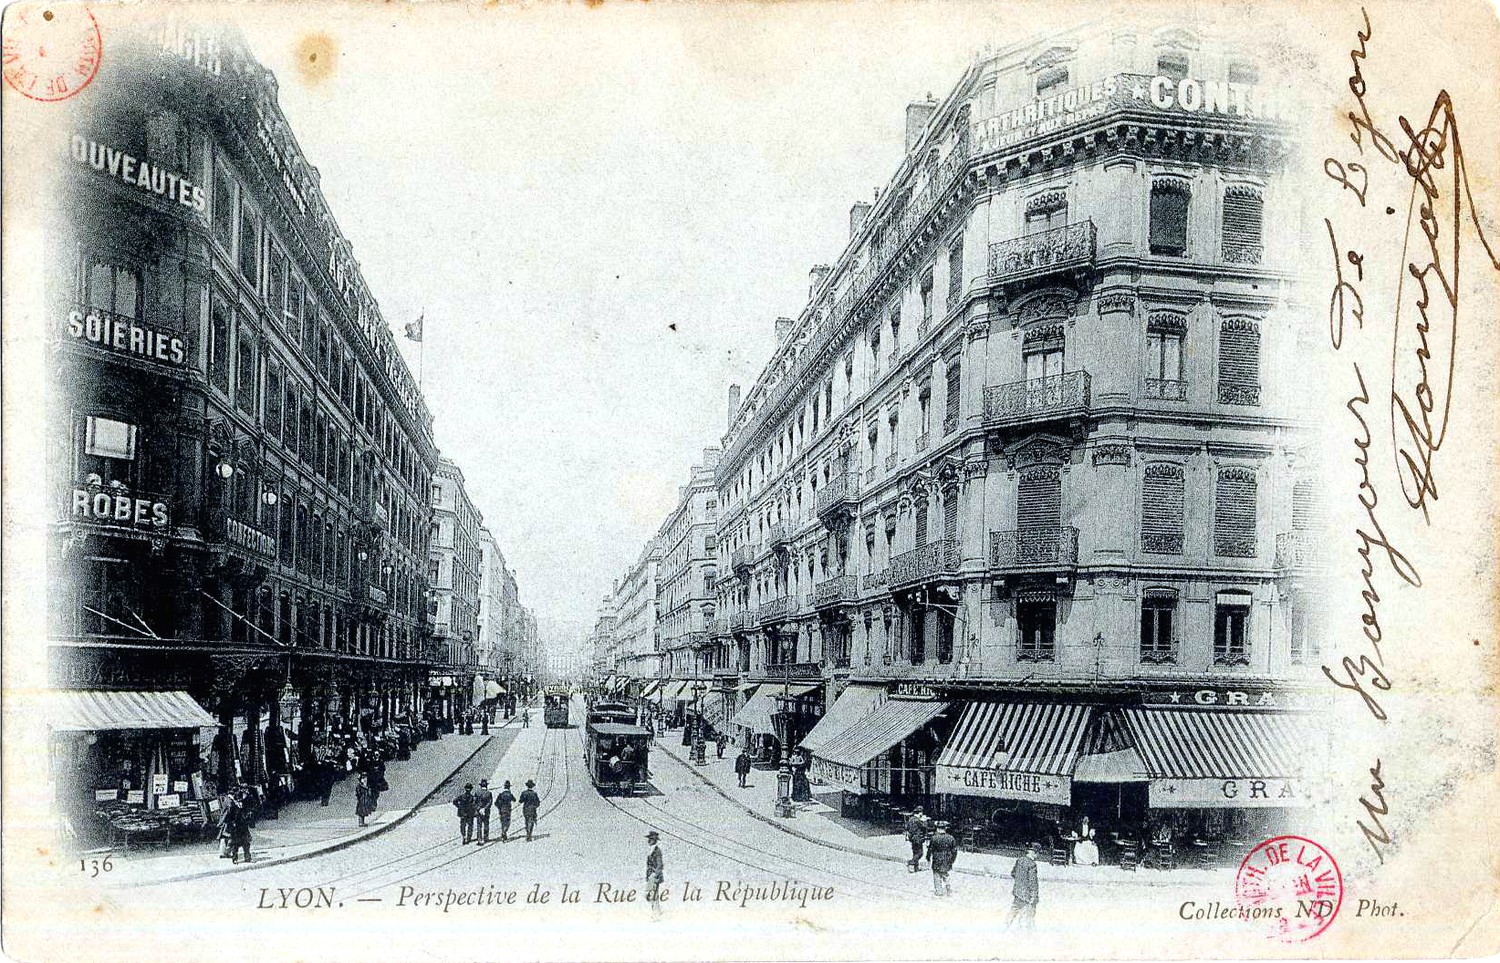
1046 211
276 285
1234 513
953 376
107 438
1174 65
244 376
1169 217
1051 81
1161 509
114 289
1164 378
875 349
1042 352
287 543
955 272
271 415
950 515
1036 627
1231 626
1304 642
1239 361
945 637
1158 615
1307 508
166 140
925 289
895 317
218 343
924 410
249 252
223 213
1243 73
1241 229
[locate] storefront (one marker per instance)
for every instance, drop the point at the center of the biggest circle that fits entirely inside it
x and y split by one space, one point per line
879 747
775 714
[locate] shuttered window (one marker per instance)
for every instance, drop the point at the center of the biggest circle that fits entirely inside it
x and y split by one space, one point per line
1169 217
1307 510
955 272
1234 513
1039 499
1239 362
1161 509
954 376
1241 229
950 516
921 536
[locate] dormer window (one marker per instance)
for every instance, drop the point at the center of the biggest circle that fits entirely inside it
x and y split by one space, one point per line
1052 80
1173 65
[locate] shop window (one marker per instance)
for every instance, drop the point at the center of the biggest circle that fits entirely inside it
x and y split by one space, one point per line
1051 81
223 209
1231 629
107 595
1239 362
1234 513
1173 65
114 289
1164 371
1036 627
1158 621
1161 509
955 272
218 343
249 247
1242 223
1046 211
244 377
1169 218
107 438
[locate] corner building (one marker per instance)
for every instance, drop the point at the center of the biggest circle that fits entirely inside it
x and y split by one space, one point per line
1017 518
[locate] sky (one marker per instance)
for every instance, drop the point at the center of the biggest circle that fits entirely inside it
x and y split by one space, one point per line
600 212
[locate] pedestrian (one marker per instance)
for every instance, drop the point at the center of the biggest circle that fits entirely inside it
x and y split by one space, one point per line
364 798
378 783
482 800
942 850
1025 893
917 830
326 775
720 741
484 723
503 803
530 803
237 818
526 718
654 874
742 766
464 803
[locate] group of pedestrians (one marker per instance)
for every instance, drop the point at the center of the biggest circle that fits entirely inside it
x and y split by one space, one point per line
941 850
474 805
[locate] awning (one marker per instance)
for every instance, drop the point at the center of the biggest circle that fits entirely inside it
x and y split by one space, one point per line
853 704
676 689
714 710
1014 750
748 687
1219 759
840 759
755 714
651 688
492 689
87 710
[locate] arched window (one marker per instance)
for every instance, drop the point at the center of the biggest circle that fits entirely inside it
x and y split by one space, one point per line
1046 210
1239 362
1241 228
1169 217
1234 513
1161 509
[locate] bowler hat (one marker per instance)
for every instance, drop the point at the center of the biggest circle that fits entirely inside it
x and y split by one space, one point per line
468 785
653 836
531 784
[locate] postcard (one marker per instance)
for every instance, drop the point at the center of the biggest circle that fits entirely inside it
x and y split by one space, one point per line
734 481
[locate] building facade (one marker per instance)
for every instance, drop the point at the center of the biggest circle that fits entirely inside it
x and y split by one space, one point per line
636 629
689 570
1029 458
455 564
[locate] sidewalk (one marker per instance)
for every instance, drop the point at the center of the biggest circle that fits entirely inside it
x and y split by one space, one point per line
819 822
306 828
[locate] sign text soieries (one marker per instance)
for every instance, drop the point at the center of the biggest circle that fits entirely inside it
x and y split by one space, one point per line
124 335
1188 95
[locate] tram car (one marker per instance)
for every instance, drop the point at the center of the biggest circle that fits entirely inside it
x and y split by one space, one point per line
555 706
618 756
618 712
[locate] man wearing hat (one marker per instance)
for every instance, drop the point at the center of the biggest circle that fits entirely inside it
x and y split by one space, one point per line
942 850
917 830
464 803
503 803
1025 893
654 875
530 803
482 800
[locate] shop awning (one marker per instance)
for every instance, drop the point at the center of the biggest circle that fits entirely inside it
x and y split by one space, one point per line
493 689
675 689
651 688
878 730
755 714
88 710
714 710
1014 750
748 687
853 704
1219 759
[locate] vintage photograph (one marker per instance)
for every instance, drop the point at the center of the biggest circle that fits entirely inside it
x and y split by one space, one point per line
701 481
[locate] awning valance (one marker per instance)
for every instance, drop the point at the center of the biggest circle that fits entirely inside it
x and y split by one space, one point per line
853 704
877 731
1014 750
89 710
1207 758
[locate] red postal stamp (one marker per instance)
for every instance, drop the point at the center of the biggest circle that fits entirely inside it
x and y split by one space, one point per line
52 52
1292 883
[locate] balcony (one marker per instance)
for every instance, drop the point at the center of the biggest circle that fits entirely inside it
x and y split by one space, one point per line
922 442
1032 256
1034 549
779 536
932 561
890 462
874 582
1297 552
870 475
739 621
840 495
715 627
836 591
772 610
1232 394
1038 399
741 560
1164 389
950 423
1241 252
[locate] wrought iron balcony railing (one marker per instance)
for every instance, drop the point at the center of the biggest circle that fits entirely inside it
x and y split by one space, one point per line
1162 543
1037 399
950 423
779 535
870 475
1166 389
1032 256
839 590
1242 252
922 441
890 462
1034 549
875 581
1297 550
1234 545
924 564
1159 655
1233 394
738 621
772 610
841 492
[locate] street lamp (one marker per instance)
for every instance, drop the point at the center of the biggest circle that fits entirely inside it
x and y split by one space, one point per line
699 756
225 470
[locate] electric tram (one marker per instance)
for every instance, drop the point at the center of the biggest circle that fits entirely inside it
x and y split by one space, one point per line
616 750
555 706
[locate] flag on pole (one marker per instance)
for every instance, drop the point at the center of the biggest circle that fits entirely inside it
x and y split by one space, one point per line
414 328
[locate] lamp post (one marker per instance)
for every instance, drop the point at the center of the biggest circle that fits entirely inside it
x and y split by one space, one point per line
699 756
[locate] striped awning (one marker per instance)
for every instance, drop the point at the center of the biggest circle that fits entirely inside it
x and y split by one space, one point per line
1209 744
651 688
877 731
1014 750
853 704
89 710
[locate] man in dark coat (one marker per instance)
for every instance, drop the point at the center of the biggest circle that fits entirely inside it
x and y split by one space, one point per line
464 803
654 874
1025 893
917 829
482 800
942 850
742 766
530 803
503 803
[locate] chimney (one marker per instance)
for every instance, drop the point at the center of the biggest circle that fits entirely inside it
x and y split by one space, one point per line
917 116
816 277
734 402
783 329
857 215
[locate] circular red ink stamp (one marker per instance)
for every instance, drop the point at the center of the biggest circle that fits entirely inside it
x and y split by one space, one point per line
1292 884
51 52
